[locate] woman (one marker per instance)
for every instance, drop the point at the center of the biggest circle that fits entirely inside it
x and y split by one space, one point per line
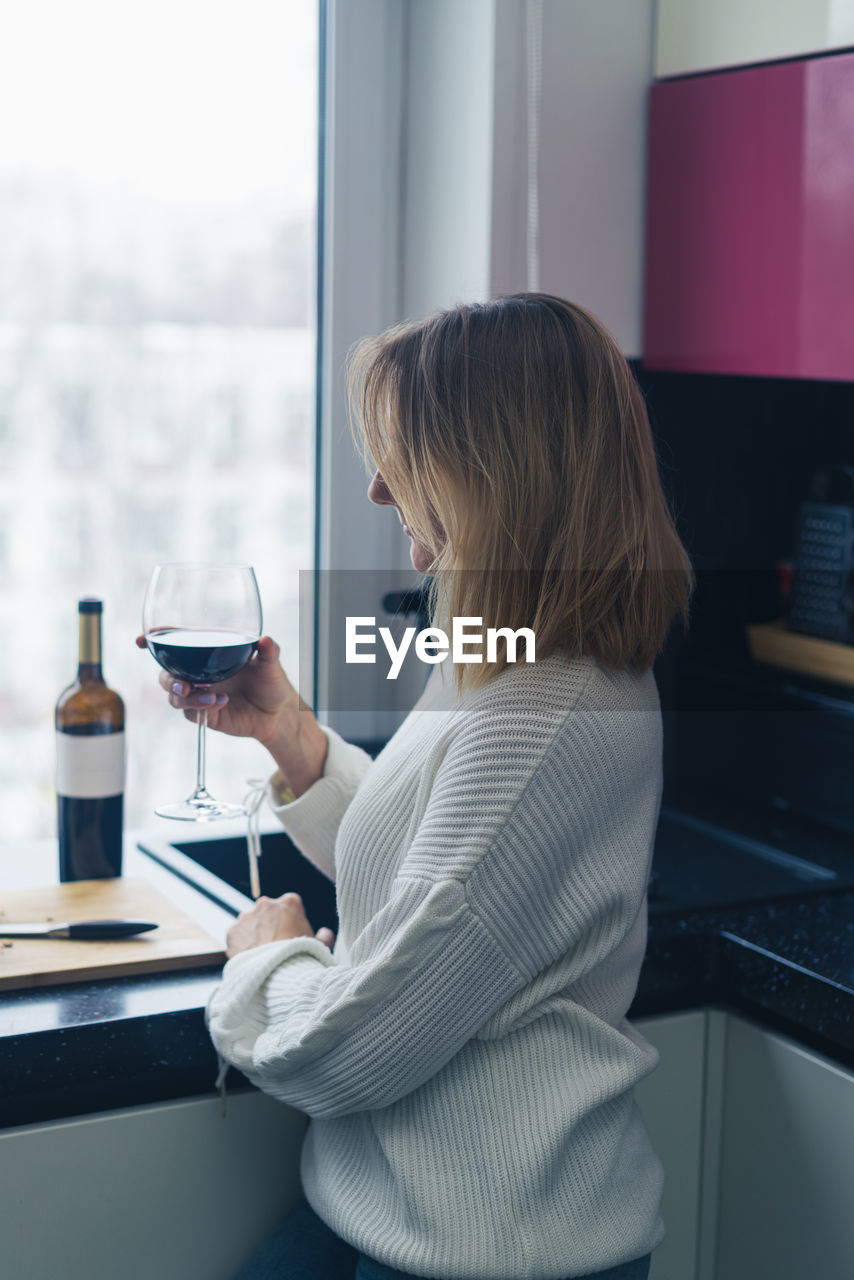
462 1051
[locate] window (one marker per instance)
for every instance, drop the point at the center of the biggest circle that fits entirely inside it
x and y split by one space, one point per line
157 337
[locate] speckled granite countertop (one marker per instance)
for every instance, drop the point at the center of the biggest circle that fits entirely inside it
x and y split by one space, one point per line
788 964
86 1047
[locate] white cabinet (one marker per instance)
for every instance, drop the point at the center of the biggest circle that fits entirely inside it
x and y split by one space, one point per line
693 35
756 1135
170 1191
786 1193
672 1102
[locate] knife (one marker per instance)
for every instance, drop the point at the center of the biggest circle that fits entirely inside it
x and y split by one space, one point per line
85 929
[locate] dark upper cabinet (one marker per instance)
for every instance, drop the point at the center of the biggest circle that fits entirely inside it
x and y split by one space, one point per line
750 222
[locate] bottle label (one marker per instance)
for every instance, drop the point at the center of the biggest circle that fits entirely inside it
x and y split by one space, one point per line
89 766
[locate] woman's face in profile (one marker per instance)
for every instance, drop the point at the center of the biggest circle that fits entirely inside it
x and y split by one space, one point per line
422 557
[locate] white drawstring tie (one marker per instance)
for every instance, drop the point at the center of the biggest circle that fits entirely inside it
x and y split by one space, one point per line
252 802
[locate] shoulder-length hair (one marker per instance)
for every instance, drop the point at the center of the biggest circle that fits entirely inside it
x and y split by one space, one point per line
514 438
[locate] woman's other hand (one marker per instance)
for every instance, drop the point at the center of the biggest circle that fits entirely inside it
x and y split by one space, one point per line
259 702
273 920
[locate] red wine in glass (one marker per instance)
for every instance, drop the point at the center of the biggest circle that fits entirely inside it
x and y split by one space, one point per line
202 623
200 657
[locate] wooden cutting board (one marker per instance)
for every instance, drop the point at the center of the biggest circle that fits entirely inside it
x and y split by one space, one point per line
178 942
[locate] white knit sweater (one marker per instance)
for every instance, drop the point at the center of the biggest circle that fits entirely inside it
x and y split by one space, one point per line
464 1054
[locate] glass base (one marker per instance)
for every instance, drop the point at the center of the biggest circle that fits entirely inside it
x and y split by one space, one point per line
200 809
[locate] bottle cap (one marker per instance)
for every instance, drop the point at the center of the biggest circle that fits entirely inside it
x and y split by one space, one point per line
90 605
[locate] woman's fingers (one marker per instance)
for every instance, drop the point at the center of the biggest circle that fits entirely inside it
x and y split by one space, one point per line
185 696
193 701
256 697
267 650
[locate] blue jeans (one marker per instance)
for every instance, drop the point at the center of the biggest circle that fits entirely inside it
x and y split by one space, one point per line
303 1248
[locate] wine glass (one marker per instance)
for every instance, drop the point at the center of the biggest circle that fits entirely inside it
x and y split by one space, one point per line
202 623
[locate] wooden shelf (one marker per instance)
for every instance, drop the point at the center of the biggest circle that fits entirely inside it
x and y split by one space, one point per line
773 643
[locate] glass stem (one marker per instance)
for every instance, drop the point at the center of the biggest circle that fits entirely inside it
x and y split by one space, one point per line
201 789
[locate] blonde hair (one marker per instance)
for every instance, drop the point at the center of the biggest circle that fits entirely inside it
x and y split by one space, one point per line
516 427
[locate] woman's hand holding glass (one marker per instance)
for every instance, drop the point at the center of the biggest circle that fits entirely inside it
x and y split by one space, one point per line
259 702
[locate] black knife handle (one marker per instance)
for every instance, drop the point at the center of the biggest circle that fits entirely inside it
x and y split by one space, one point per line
95 929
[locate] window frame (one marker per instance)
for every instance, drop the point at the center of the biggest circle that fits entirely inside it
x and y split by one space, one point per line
359 292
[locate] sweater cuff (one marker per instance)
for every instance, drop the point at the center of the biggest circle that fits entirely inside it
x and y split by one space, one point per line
245 976
254 961
312 819
236 1013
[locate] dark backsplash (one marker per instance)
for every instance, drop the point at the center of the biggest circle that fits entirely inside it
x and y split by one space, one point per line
736 457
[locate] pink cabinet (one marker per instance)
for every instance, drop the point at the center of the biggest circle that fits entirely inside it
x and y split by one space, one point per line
750 222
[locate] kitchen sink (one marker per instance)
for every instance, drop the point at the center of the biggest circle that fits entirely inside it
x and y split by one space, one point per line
696 865
219 868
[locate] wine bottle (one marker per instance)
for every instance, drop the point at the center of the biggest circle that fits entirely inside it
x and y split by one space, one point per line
90 763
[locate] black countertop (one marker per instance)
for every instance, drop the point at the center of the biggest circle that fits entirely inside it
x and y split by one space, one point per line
86 1047
788 964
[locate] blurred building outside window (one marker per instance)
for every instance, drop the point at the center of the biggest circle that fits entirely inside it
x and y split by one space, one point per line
157 352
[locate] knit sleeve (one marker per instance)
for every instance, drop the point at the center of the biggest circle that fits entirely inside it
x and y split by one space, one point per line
333 1038
312 820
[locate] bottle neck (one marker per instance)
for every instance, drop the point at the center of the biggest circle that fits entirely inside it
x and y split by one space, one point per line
89 664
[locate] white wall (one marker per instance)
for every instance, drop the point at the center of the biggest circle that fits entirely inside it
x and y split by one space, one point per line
596 70
409 168
428 172
447 156
693 35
